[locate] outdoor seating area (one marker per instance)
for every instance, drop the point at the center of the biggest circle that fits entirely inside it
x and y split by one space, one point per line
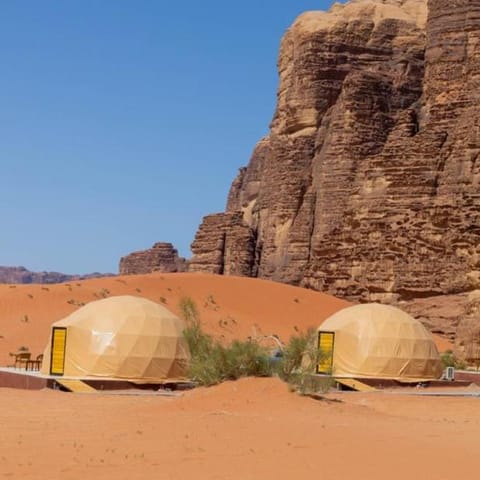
24 360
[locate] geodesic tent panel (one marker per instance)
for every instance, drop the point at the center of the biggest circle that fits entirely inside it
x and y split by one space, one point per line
123 337
379 341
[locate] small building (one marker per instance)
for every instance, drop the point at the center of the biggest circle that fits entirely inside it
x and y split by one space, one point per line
124 337
377 341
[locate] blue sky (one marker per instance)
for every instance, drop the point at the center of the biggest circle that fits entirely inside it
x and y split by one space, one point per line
124 122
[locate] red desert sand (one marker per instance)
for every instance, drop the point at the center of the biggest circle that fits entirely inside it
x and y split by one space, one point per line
249 429
229 307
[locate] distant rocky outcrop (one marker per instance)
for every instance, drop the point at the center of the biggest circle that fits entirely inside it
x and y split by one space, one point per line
162 257
22 275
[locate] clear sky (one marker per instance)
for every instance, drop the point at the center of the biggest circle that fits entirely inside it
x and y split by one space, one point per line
123 122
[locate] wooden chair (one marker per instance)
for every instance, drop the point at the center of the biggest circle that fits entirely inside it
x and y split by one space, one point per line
35 364
21 359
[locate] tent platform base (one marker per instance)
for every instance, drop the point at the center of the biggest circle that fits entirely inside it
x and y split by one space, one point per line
34 380
372 384
76 386
353 384
376 384
26 380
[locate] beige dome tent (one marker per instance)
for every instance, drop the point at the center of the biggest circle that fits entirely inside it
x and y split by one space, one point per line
377 341
123 337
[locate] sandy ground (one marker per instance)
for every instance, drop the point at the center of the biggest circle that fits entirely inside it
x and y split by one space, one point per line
250 429
245 430
229 307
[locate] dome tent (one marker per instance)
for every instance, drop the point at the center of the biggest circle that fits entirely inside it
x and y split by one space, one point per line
124 337
379 341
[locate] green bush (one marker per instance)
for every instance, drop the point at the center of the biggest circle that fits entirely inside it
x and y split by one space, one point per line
240 359
213 362
298 363
189 311
449 359
298 355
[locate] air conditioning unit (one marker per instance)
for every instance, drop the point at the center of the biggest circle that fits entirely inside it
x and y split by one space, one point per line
449 374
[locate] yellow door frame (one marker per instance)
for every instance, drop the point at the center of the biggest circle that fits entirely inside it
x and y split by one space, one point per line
57 351
326 345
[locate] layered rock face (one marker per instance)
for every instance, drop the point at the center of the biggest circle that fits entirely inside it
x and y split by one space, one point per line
225 245
367 186
162 257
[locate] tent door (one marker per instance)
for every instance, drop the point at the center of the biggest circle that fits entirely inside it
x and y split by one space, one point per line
57 356
326 343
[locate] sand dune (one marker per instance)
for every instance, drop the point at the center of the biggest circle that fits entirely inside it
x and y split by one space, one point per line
228 306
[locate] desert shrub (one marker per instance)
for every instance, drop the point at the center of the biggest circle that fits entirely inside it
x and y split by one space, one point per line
449 359
211 361
103 293
246 359
297 364
188 310
72 301
295 355
199 342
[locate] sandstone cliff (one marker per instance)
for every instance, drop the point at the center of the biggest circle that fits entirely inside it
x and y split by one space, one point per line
162 257
367 186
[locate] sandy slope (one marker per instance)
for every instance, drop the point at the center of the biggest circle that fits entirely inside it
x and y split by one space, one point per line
250 429
228 306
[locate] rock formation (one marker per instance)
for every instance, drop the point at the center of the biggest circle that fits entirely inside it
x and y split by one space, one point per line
367 186
225 245
162 257
22 275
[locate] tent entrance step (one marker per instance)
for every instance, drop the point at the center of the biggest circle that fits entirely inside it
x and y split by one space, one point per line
76 386
355 385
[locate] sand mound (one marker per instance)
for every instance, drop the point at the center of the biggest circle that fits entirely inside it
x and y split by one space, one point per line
248 394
